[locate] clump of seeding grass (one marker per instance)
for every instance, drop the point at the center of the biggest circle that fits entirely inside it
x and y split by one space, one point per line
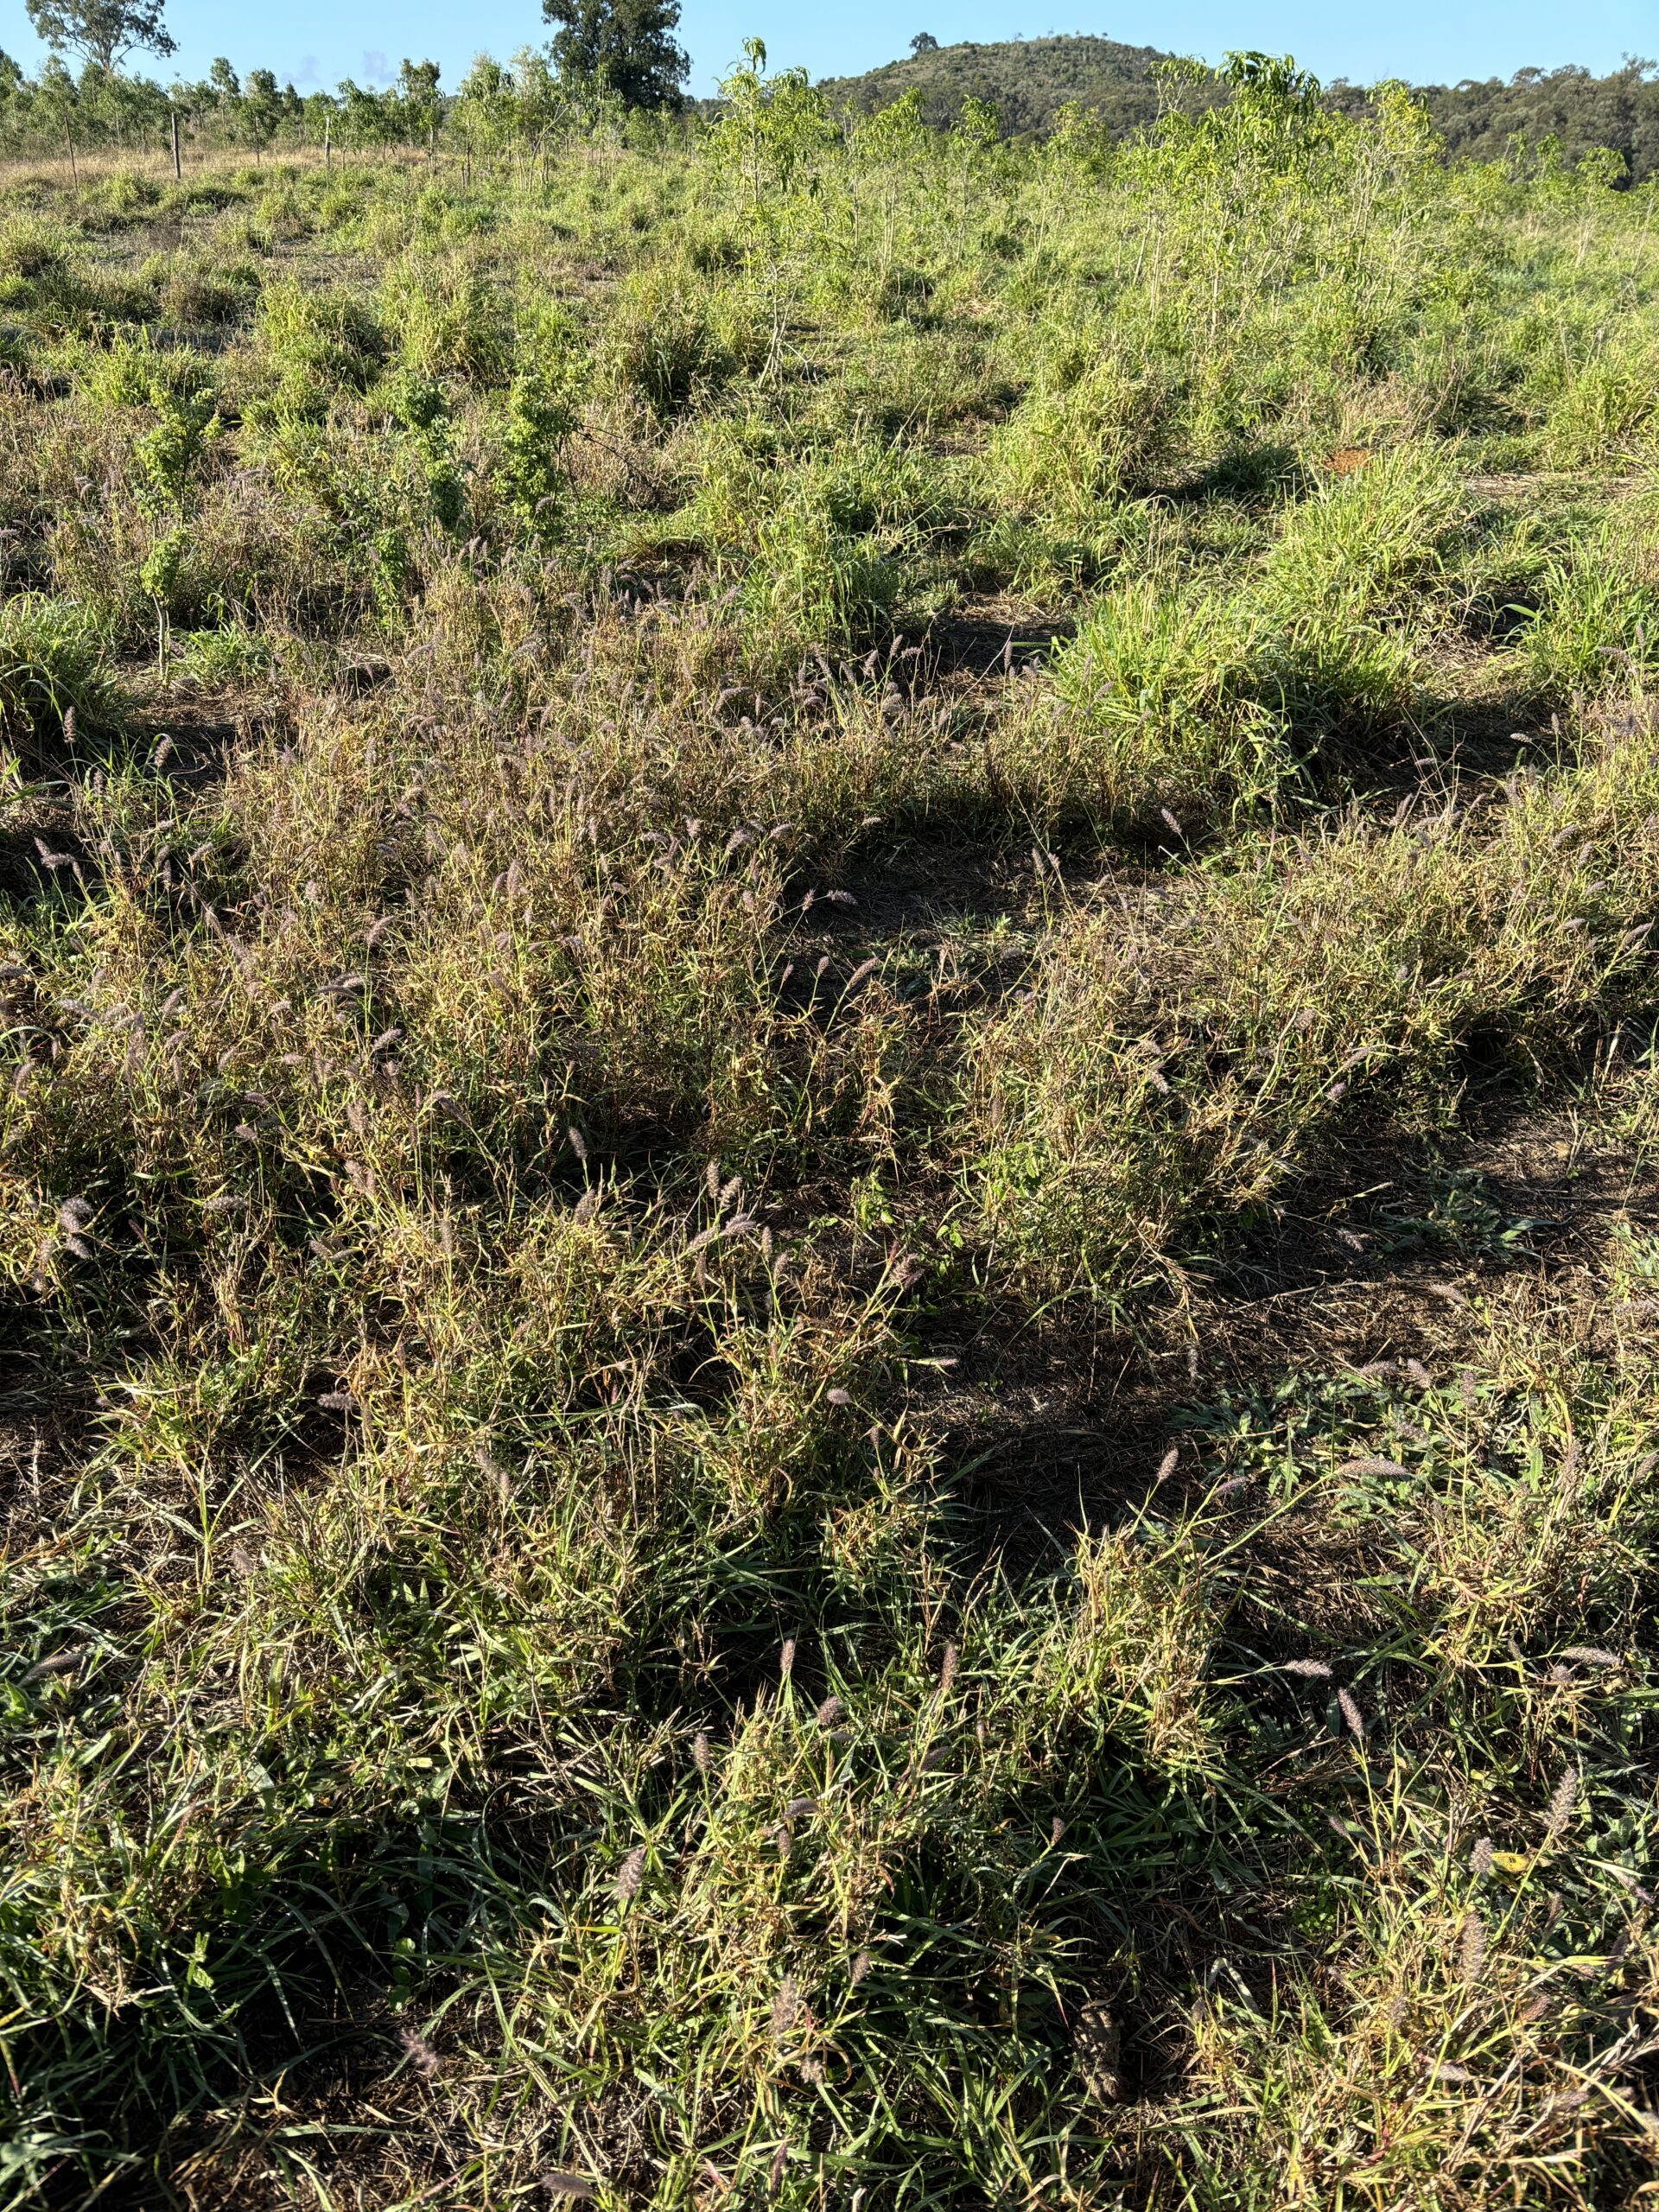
1171 1065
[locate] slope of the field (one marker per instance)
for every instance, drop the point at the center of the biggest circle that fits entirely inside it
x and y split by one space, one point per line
829 1176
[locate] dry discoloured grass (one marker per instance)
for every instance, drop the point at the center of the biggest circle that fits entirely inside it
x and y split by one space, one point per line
828 1174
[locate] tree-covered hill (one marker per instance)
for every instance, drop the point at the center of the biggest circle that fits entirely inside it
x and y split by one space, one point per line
1029 80
1621 111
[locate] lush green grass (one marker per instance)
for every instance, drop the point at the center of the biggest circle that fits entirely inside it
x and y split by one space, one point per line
829 1224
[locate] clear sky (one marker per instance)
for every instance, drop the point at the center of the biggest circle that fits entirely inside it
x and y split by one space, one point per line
316 43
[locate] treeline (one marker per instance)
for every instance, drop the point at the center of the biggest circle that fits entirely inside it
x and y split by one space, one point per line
1482 122
498 106
1561 114
1030 81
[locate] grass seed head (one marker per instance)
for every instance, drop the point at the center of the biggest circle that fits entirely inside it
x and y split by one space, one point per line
1562 1800
785 2009
419 2053
1472 1946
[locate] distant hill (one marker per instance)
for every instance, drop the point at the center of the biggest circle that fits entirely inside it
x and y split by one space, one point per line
1028 80
1622 110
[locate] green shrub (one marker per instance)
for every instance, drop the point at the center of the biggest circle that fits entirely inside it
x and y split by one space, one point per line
542 412
313 344
449 323
1092 428
419 407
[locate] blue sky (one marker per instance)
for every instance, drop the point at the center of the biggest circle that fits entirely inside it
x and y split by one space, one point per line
318 41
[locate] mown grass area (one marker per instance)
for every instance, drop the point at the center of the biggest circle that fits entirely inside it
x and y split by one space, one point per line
831 1226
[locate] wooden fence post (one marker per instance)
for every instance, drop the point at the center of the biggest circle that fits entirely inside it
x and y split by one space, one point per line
178 166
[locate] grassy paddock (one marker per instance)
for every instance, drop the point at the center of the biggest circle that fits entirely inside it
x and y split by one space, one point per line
829 1231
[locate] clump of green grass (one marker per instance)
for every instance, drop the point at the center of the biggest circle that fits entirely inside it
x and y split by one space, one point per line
34 261
675 337
53 667
135 371
1602 412
1590 634
1370 544
449 322
1093 426
1164 696
1205 694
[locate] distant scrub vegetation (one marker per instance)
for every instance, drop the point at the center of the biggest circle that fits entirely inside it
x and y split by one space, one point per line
1031 81
1558 114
